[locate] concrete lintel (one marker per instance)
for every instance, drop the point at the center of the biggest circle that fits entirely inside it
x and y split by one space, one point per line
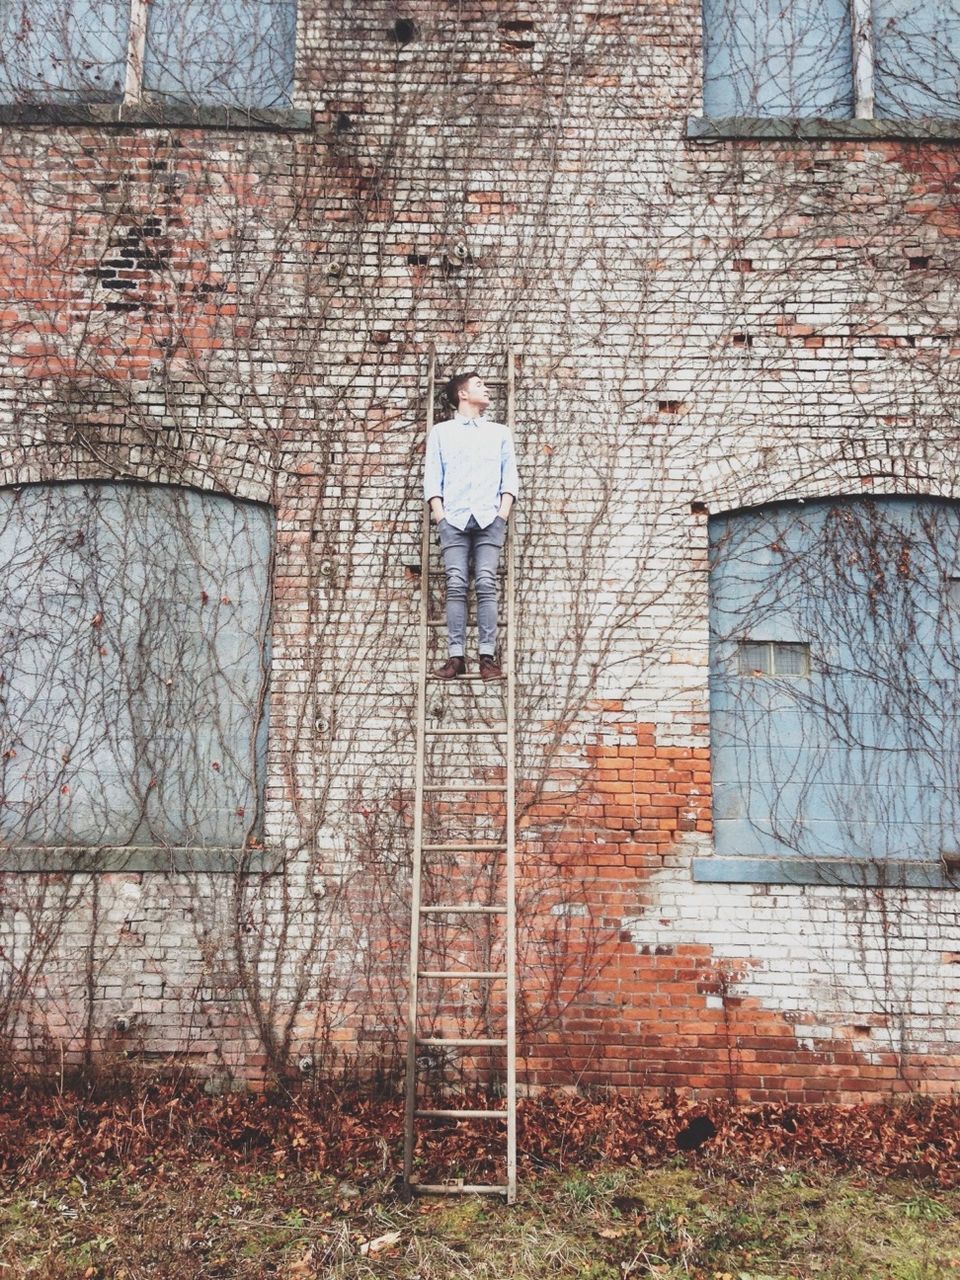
105 859
786 129
857 873
168 116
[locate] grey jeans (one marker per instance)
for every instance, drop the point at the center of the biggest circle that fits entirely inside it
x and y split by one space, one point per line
457 545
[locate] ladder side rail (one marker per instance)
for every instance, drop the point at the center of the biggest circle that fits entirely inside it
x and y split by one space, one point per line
511 921
415 889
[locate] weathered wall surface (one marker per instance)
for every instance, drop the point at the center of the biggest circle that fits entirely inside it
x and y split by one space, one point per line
702 326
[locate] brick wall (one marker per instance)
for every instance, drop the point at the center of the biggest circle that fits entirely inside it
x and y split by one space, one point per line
702 326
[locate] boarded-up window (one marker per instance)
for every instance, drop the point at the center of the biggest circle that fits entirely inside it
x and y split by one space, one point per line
228 53
63 50
917 58
800 58
233 53
835 680
133 666
777 58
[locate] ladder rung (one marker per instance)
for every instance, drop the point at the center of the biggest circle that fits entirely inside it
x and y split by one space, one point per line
457 1189
463 848
471 622
466 732
442 1042
478 680
463 1115
463 786
466 909
462 973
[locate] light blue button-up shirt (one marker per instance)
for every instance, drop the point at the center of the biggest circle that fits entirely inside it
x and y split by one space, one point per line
470 464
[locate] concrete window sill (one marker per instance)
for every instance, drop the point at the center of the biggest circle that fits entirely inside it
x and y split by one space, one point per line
857 873
716 129
104 859
114 114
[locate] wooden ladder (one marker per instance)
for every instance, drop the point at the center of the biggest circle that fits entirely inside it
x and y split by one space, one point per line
420 1043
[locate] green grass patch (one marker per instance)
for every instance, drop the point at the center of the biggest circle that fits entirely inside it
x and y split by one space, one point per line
676 1221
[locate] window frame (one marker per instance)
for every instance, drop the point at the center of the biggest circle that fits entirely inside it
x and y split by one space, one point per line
136 53
135 109
862 124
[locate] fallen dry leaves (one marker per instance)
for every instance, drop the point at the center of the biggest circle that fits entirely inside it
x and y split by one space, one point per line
154 1131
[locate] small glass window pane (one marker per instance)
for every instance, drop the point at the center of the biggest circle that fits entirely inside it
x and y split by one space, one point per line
790 659
63 50
917 58
232 53
754 659
777 58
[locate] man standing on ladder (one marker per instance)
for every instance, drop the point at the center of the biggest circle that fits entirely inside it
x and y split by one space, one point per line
470 482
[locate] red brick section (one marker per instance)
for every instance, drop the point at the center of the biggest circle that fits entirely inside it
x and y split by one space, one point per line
635 1016
119 244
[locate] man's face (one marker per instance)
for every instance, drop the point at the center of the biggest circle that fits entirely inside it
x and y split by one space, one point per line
474 393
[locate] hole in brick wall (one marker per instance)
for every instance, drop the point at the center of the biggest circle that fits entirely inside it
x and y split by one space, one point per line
742 264
698 509
342 123
918 263
669 406
404 31
418 259
518 33
861 1028
742 340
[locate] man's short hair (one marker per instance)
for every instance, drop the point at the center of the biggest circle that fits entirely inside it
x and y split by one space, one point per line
451 392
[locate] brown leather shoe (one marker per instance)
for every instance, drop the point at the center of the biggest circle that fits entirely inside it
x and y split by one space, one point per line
489 670
452 668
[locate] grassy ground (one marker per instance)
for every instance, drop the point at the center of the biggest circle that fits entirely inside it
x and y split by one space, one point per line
703 1221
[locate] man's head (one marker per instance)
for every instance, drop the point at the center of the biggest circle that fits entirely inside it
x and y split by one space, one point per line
466 391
